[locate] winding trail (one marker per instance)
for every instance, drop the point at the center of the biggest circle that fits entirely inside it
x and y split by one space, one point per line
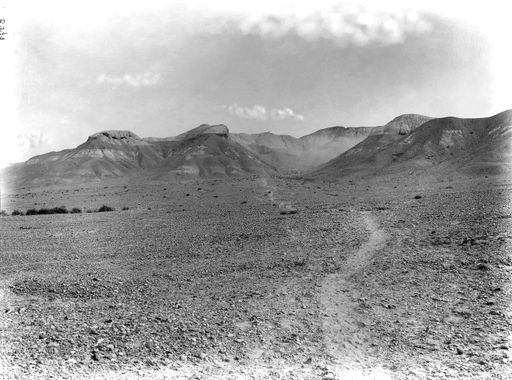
344 339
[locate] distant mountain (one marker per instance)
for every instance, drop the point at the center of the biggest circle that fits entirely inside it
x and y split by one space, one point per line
305 152
203 151
210 151
409 143
104 154
412 143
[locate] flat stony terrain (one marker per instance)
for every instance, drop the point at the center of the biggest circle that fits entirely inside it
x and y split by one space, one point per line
264 278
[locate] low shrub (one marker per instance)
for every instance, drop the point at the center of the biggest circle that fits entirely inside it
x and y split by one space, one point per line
58 210
75 210
47 211
105 208
16 213
3 213
125 208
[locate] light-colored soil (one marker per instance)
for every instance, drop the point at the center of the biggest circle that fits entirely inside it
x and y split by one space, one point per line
259 279
345 341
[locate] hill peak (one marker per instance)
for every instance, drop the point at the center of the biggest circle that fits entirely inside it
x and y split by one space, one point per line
114 134
401 125
106 139
407 117
205 129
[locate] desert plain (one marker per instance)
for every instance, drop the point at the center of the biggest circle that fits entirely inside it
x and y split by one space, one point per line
262 277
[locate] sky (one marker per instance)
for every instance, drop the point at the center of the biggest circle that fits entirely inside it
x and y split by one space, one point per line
159 68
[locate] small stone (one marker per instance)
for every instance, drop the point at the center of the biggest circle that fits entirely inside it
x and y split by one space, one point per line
482 266
202 356
459 351
183 358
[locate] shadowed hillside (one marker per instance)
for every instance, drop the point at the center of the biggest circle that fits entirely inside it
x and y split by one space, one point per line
407 144
202 151
438 146
306 152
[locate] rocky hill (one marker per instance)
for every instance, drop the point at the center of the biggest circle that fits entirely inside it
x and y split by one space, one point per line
407 144
437 147
203 151
210 151
306 152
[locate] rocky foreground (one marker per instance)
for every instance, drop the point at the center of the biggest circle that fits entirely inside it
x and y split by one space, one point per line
262 278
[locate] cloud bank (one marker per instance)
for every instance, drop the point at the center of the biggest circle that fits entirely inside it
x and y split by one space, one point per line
260 112
343 23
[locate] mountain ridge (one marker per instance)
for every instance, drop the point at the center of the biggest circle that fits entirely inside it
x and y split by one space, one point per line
449 144
407 142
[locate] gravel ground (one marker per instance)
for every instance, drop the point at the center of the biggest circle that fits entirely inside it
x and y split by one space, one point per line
260 278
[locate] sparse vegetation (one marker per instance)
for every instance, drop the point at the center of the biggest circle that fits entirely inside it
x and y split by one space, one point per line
109 297
47 211
58 210
105 208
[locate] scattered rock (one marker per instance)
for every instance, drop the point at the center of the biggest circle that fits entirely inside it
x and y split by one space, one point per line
482 267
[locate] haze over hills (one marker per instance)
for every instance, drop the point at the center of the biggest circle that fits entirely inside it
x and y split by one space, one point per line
203 151
305 152
407 143
437 146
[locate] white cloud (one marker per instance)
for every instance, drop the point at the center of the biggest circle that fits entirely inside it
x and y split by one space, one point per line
32 140
146 79
254 112
345 23
285 113
261 113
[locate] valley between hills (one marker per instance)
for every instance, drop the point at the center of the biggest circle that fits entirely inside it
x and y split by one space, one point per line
379 253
